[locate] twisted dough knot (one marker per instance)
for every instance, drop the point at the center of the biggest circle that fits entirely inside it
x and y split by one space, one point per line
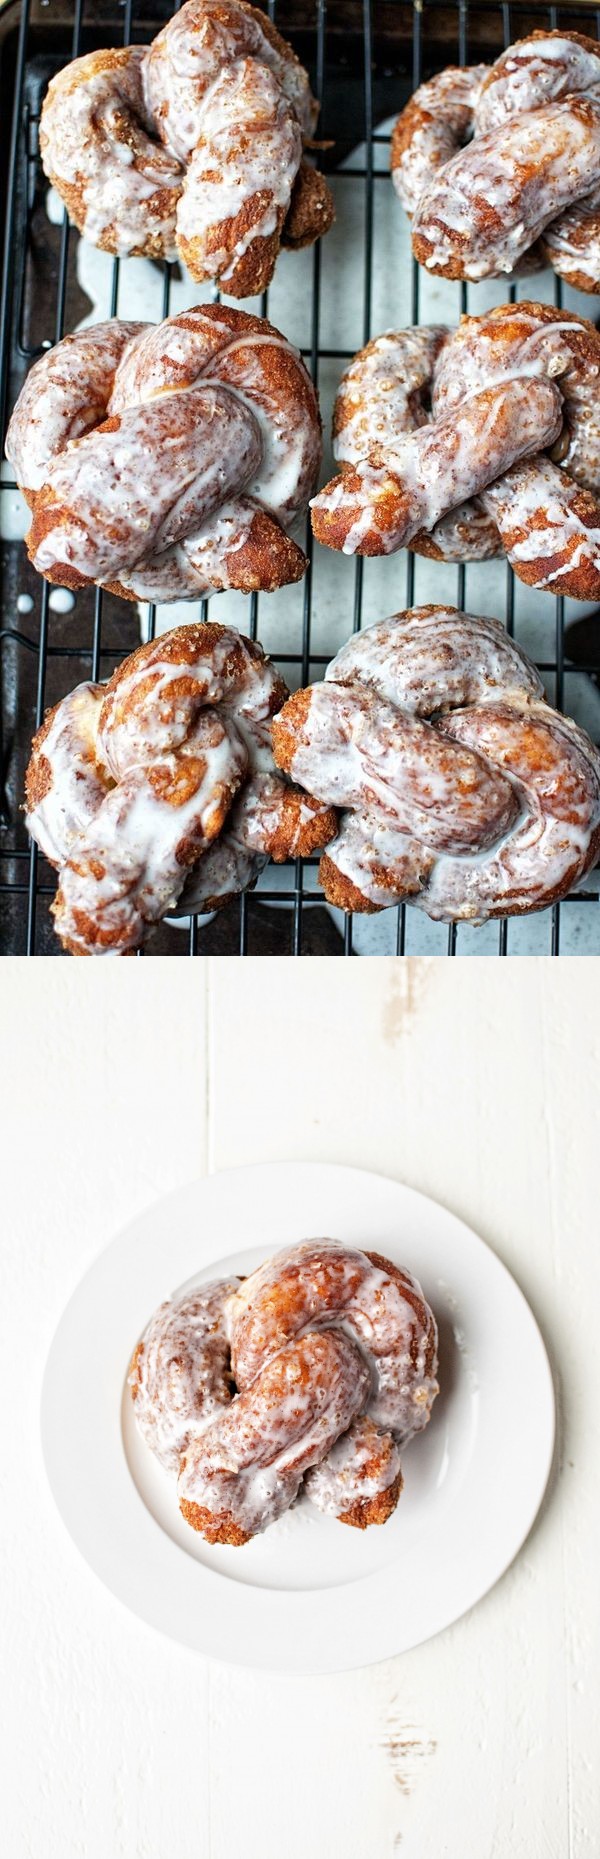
163 775
465 793
331 1355
191 146
164 461
504 410
527 188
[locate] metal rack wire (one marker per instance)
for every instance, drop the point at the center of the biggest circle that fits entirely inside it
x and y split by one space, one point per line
46 648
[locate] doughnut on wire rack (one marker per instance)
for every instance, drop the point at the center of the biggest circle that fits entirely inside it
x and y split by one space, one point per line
364 58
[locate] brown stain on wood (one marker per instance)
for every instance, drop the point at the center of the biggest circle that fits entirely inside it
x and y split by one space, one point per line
408 1749
404 997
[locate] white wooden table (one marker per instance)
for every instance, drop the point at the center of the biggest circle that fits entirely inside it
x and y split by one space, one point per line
474 1082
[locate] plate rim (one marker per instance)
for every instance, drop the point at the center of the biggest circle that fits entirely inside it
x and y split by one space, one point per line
220 1183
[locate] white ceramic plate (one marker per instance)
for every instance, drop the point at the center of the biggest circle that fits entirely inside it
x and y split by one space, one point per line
310 1595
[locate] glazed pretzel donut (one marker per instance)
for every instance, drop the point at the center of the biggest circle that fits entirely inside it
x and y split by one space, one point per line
514 422
386 393
132 784
332 1354
461 790
191 146
527 186
165 461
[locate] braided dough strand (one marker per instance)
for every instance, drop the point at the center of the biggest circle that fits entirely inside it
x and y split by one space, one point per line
492 201
557 837
189 54
245 1471
436 122
239 181
66 394
119 184
572 244
180 1374
269 819
386 393
374 509
544 68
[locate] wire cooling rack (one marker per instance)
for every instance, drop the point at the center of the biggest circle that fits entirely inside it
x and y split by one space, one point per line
364 59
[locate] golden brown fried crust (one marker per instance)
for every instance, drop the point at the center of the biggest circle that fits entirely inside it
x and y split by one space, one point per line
366 1511
163 204
413 116
501 326
38 775
110 587
268 559
311 211
340 891
134 1372
254 270
285 379
423 250
203 1520
576 280
286 728
46 511
423 544
294 835
95 938
332 527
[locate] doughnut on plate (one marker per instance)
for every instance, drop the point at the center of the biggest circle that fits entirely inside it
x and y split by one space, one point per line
307 1596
